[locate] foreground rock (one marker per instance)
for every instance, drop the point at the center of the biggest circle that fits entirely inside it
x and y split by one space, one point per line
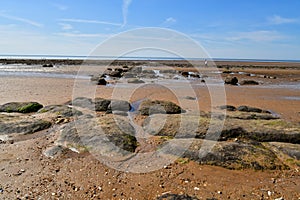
21 125
104 136
249 82
150 107
21 107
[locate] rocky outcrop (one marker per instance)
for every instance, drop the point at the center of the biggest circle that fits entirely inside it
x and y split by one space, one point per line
135 81
21 107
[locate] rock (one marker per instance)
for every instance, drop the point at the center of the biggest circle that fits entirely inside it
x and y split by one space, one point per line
102 136
176 197
53 151
129 75
119 105
116 74
21 107
231 80
149 107
185 74
190 98
135 81
136 70
22 125
101 81
249 109
227 72
82 102
148 71
227 107
292 150
60 110
249 82
48 65
101 104
121 113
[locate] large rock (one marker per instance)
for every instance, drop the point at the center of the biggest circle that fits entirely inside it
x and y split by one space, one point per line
101 104
150 107
119 105
249 109
60 110
21 107
10 124
101 81
231 80
113 136
82 102
115 74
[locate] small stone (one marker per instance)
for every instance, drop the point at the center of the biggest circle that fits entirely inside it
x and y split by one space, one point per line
269 193
53 193
281 198
219 192
196 188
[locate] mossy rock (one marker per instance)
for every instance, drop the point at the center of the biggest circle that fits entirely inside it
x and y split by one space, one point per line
21 107
150 107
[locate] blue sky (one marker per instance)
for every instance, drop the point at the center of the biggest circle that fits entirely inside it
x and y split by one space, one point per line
262 29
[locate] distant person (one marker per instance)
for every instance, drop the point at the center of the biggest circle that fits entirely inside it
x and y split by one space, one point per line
205 62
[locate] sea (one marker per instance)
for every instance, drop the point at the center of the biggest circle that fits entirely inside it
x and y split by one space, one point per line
72 57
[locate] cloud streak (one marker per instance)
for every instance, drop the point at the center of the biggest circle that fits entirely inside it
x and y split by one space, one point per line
169 21
90 22
66 26
276 20
23 20
257 36
126 4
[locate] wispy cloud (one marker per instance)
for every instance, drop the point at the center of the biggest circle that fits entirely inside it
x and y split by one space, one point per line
90 22
257 36
21 19
66 26
60 6
83 35
169 21
276 19
126 4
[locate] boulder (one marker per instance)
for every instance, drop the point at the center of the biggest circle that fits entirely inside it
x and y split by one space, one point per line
21 124
249 109
150 107
101 104
119 105
249 82
115 74
101 81
60 110
21 107
231 80
185 74
227 107
82 102
135 81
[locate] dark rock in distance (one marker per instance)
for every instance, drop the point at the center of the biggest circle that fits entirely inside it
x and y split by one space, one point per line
101 81
135 81
228 107
231 80
21 107
249 109
249 82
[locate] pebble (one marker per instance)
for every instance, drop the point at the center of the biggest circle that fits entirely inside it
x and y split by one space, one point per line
280 198
269 193
219 192
196 188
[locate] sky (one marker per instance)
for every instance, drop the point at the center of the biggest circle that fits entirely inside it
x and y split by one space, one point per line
256 29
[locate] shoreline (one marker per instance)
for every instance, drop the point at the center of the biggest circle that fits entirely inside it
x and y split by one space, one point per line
172 63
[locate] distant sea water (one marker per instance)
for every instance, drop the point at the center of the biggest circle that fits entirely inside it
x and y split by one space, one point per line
64 57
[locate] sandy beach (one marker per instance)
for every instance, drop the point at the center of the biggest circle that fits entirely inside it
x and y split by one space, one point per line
26 173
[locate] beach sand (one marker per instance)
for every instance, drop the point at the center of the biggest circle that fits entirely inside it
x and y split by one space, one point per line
25 172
